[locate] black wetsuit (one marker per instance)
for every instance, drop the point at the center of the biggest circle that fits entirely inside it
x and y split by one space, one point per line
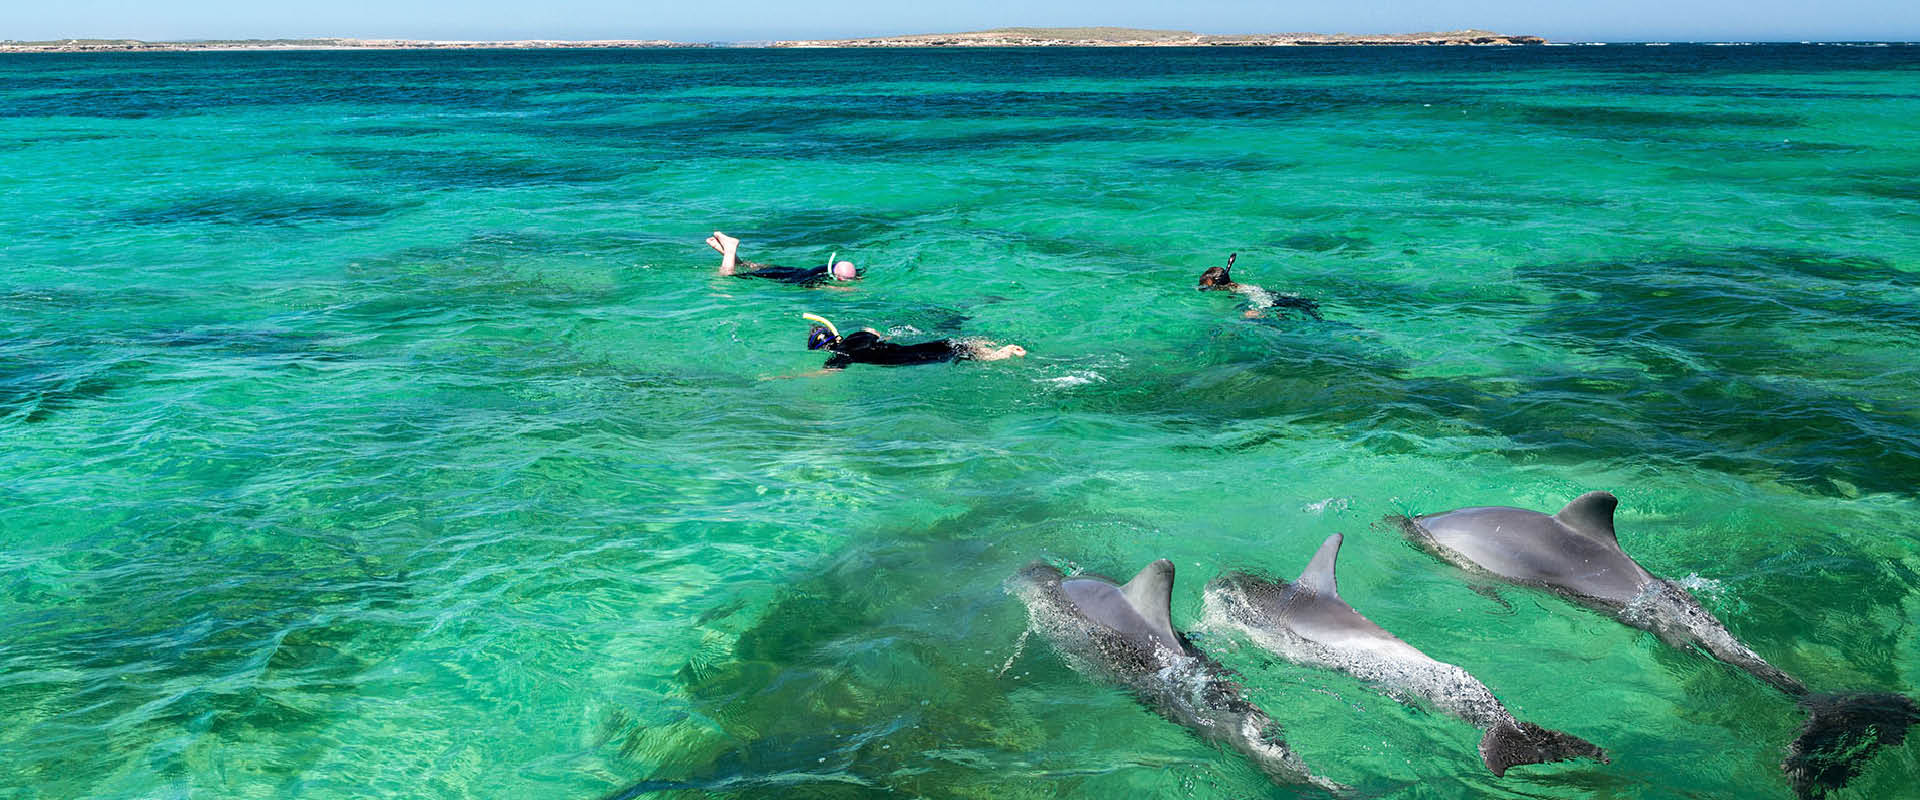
866 347
1301 304
1304 305
793 275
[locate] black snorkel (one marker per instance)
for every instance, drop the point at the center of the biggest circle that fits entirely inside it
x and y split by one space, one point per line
1218 277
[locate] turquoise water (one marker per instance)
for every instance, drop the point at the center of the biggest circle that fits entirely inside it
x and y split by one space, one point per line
376 423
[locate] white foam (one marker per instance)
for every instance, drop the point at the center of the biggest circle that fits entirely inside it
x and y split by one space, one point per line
1075 378
1331 503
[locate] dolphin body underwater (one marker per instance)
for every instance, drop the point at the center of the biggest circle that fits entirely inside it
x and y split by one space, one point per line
1123 635
1307 622
1574 553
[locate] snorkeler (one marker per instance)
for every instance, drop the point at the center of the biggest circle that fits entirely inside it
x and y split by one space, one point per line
866 347
1218 279
830 272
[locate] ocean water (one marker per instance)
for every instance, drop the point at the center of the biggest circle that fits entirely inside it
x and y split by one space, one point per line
376 424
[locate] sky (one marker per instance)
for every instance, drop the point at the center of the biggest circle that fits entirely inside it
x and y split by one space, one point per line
751 20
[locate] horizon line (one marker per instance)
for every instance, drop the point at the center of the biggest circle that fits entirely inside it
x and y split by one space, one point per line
553 40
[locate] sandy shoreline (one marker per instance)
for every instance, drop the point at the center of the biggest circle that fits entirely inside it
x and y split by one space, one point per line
1131 37
134 46
999 37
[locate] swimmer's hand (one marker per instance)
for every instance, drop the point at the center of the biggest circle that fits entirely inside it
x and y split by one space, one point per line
986 353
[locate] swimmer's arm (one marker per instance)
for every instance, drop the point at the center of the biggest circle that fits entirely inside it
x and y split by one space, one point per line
1257 296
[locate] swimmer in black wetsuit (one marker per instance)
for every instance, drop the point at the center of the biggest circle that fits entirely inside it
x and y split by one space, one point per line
1218 279
827 274
866 347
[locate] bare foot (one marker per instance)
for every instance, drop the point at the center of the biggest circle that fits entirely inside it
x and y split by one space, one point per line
729 248
1254 313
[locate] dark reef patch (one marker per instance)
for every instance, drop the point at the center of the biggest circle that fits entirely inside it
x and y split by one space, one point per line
811 229
263 345
33 390
441 169
885 146
63 138
189 94
820 126
256 613
1709 371
1244 163
1721 91
1614 117
261 208
1618 124
1888 186
1500 197
393 131
851 671
1325 243
1723 379
1731 313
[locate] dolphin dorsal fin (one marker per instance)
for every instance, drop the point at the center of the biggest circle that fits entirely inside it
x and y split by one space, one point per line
1151 595
1592 515
1318 576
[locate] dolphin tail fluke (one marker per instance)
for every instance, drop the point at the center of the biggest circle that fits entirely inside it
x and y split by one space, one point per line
1507 746
1842 733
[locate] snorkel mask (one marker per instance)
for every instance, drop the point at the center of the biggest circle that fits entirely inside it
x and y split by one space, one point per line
823 335
1218 277
836 268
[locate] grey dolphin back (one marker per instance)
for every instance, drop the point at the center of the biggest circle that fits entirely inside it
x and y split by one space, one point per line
1560 553
1139 609
1151 595
1123 634
1573 552
1318 576
1308 623
1313 605
1591 515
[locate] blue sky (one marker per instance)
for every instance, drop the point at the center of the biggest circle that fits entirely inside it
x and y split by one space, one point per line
738 20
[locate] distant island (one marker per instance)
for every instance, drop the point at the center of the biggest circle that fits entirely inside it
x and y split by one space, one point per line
1140 37
998 37
225 45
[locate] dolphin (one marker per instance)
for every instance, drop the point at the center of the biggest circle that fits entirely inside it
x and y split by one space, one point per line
1574 553
1122 634
1307 623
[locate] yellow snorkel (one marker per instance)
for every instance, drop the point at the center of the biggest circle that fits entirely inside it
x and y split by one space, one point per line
814 340
822 320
